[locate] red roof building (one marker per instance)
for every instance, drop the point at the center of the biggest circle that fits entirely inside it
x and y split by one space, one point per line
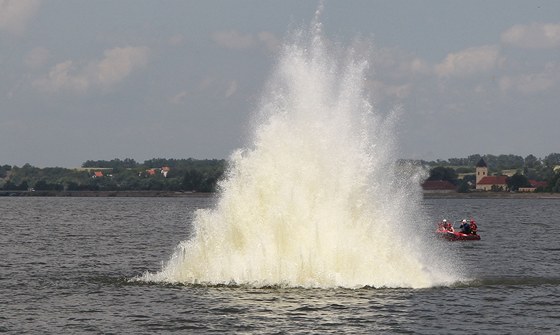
537 184
492 183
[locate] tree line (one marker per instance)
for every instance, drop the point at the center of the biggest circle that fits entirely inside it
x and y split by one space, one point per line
198 175
524 169
202 175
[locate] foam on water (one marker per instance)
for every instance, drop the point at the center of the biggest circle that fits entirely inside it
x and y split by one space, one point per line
316 199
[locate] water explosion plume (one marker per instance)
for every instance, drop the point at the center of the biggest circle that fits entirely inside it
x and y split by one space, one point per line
316 200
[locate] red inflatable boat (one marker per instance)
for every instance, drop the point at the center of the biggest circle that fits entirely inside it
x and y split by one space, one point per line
456 236
445 231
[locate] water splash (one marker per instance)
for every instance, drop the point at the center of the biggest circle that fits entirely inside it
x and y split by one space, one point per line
316 200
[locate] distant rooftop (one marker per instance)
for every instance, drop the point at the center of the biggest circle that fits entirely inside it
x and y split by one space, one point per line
493 180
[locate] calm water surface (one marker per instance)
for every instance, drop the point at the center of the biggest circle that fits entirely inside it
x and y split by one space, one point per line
66 265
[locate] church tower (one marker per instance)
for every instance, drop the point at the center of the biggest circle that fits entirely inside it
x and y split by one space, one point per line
481 170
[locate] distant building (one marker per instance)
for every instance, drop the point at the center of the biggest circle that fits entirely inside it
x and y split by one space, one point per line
97 174
510 173
481 170
165 170
484 182
153 172
492 183
534 185
537 184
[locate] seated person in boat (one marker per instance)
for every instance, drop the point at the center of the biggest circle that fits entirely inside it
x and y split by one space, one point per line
474 227
465 227
445 226
448 226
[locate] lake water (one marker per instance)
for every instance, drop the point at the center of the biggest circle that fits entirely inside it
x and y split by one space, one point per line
66 265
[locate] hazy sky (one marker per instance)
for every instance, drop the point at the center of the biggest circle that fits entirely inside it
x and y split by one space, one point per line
141 79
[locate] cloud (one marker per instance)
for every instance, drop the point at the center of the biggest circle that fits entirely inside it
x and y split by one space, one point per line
417 65
384 90
231 89
63 76
116 65
178 98
469 61
397 74
533 36
176 40
397 64
533 82
233 40
36 57
271 42
15 14
119 63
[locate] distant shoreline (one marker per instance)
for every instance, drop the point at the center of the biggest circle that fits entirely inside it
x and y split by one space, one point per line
100 194
174 194
491 195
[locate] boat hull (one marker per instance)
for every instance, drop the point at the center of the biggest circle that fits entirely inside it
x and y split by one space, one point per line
457 236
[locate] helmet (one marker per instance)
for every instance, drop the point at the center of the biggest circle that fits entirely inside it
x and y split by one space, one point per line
444 220
464 221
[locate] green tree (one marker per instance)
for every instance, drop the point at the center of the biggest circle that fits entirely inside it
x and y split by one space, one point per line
42 185
516 181
127 163
443 173
10 186
464 186
473 159
531 161
192 180
72 186
24 186
552 160
4 169
554 183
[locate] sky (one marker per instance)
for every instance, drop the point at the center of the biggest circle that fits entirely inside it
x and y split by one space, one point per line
97 80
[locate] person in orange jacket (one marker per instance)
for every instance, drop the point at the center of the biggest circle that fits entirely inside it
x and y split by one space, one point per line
474 227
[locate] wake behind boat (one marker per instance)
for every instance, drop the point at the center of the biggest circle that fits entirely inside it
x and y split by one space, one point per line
468 231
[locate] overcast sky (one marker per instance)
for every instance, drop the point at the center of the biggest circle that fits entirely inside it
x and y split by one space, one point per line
138 79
